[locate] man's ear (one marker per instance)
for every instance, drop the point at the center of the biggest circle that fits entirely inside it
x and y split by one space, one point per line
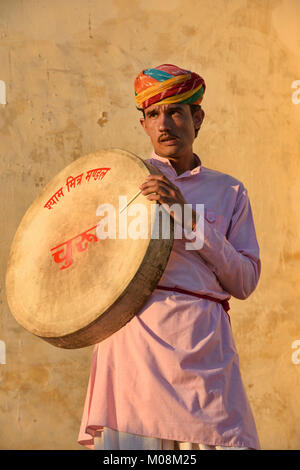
142 121
198 117
143 124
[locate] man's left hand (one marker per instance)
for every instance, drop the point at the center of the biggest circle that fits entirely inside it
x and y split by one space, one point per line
159 188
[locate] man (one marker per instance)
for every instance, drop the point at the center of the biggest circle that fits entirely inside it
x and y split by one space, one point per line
170 378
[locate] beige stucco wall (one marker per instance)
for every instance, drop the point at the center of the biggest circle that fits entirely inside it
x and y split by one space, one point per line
68 67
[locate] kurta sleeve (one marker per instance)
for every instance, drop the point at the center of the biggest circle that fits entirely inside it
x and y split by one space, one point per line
233 258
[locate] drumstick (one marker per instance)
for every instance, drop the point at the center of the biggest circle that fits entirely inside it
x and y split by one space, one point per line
132 199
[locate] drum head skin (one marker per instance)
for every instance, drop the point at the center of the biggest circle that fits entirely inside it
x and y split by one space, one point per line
64 283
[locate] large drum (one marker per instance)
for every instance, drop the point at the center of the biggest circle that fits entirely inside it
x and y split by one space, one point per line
65 282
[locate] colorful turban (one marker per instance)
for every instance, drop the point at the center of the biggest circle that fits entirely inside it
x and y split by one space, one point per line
168 84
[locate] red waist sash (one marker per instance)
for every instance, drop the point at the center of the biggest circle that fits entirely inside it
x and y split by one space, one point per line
224 302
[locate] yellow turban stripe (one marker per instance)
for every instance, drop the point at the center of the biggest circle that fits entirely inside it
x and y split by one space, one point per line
180 98
159 88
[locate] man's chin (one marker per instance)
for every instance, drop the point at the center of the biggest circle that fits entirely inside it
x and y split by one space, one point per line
168 151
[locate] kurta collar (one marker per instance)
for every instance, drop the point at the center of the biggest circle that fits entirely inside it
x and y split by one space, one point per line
165 161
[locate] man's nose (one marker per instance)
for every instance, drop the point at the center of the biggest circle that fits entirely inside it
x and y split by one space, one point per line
164 122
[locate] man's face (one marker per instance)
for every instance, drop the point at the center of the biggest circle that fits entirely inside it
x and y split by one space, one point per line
171 128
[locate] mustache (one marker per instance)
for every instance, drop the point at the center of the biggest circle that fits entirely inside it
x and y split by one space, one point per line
166 136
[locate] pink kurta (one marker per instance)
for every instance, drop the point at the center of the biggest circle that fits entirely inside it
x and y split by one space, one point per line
173 371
